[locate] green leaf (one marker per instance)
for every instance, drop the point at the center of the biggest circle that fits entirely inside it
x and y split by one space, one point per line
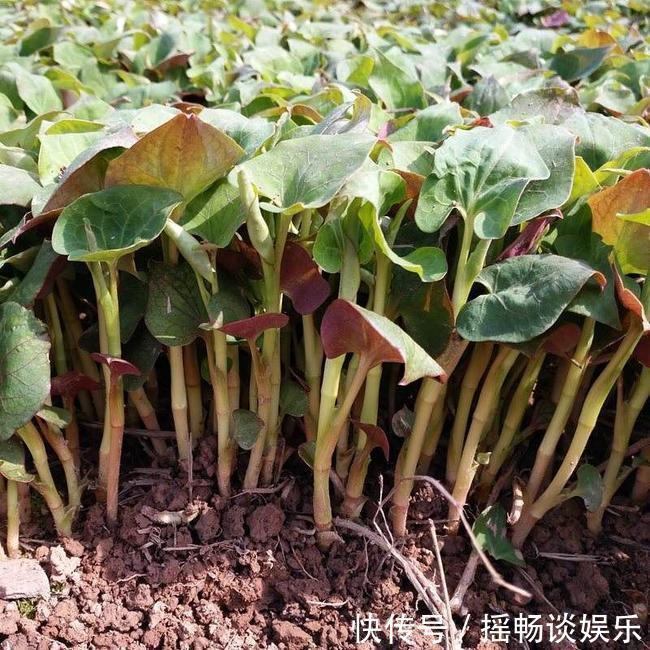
293 399
142 351
17 186
61 143
109 224
428 125
175 309
12 461
490 529
526 295
556 146
215 215
249 133
226 306
306 172
328 246
589 487
602 138
483 171
35 90
396 87
579 63
246 428
346 327
37 277
132 296
487 96
24 367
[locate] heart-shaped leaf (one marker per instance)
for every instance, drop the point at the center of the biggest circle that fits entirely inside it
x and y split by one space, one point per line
175 308
293 399
12 461
301 280
116 366
226 306
109 224
589 487
24 367
484 172
246 428
490 529
306 172
251 328
184 154
346 327
141 351
526 295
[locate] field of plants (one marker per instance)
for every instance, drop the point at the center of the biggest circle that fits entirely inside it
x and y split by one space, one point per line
324 324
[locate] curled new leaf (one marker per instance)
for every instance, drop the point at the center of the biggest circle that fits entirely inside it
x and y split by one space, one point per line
301 280
375 438
116 366
346 327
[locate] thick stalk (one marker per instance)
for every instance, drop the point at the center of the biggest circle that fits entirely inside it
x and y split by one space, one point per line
45 484
24 503
56 335
481 418
13 520
513 419
272 356
591 408
627 414
313 370
56 440
147 414
433 434
345 453
430 392
193 389
478 363
72 430
570 388
255 460
179 402
325 446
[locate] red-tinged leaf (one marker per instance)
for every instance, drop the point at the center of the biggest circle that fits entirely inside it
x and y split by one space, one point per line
346 327
29 222
301 280
482 121
175 61
184 154
528 240
71 383
556 19
188 107
55 270
117 367
376 437
630 301
642 351
251 328
563 340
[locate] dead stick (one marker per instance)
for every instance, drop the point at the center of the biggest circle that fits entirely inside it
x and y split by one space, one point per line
497 578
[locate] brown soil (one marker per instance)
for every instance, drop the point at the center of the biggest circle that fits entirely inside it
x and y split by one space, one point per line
246 573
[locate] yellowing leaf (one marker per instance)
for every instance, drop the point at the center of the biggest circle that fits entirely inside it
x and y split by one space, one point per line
184 154
630 237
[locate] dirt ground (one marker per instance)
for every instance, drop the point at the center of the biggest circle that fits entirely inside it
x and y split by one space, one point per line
246 573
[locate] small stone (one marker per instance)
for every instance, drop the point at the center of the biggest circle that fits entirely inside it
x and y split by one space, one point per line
23 579
62 567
